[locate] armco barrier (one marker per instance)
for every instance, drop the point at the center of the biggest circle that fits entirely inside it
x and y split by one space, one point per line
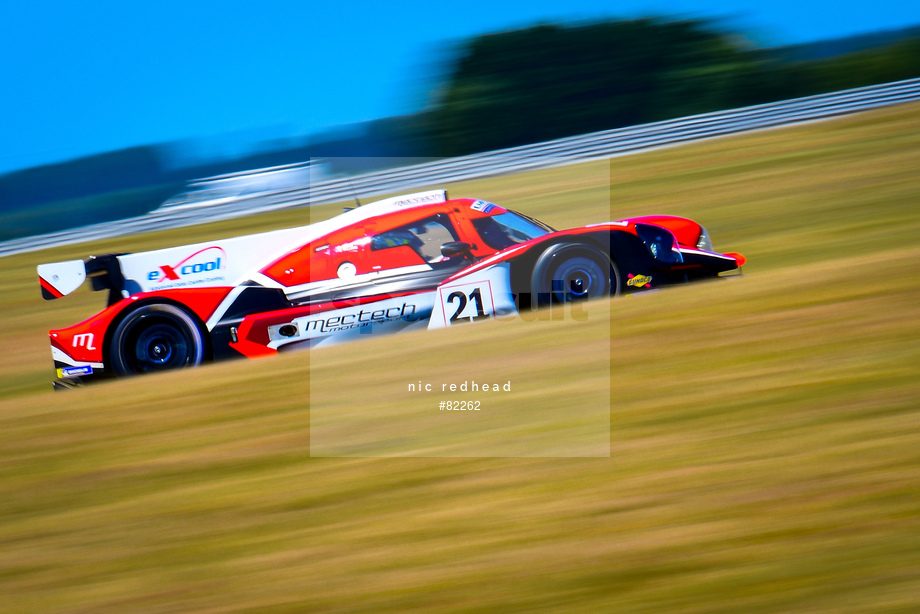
440 173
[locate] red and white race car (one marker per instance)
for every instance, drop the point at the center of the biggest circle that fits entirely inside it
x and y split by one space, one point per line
406 262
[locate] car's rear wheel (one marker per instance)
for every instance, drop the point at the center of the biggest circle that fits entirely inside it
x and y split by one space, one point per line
567 273
156 337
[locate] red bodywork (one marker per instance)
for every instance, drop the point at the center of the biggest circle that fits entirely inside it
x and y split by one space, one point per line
200 301
320 259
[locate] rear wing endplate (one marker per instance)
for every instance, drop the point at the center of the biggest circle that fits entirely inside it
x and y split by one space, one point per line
59 279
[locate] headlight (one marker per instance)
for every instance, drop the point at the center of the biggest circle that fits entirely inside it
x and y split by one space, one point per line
705 242
660 243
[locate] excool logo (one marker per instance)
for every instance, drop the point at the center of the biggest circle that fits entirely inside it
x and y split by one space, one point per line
205 260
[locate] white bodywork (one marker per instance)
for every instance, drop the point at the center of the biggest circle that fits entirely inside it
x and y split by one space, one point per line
484 294
227 262
390 315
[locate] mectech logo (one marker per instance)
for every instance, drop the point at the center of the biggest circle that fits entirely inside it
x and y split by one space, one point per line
362 319
195 268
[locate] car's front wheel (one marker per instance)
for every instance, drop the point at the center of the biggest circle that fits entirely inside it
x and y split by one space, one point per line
156 337
567 273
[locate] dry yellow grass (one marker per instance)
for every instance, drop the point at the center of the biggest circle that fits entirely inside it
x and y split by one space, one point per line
764 431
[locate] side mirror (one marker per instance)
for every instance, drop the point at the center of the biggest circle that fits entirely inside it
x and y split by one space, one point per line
455 248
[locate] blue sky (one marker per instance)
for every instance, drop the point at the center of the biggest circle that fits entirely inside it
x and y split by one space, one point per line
84 77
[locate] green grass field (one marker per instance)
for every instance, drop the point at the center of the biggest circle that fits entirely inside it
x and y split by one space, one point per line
764 431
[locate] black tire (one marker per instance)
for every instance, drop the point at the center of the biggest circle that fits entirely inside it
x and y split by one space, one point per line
157 337
567 272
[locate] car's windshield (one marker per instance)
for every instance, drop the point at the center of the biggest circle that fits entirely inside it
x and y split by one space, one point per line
509 228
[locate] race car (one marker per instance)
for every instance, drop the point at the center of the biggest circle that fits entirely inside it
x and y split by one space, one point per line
407 262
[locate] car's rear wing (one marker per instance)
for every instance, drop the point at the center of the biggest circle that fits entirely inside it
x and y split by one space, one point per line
59 279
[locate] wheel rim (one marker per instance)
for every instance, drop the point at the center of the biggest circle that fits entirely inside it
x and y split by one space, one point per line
158 346
578 283
577 279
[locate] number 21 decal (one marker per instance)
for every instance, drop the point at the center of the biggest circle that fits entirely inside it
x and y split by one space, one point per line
469 304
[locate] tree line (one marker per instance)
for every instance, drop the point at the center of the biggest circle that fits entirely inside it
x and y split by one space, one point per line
503 90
